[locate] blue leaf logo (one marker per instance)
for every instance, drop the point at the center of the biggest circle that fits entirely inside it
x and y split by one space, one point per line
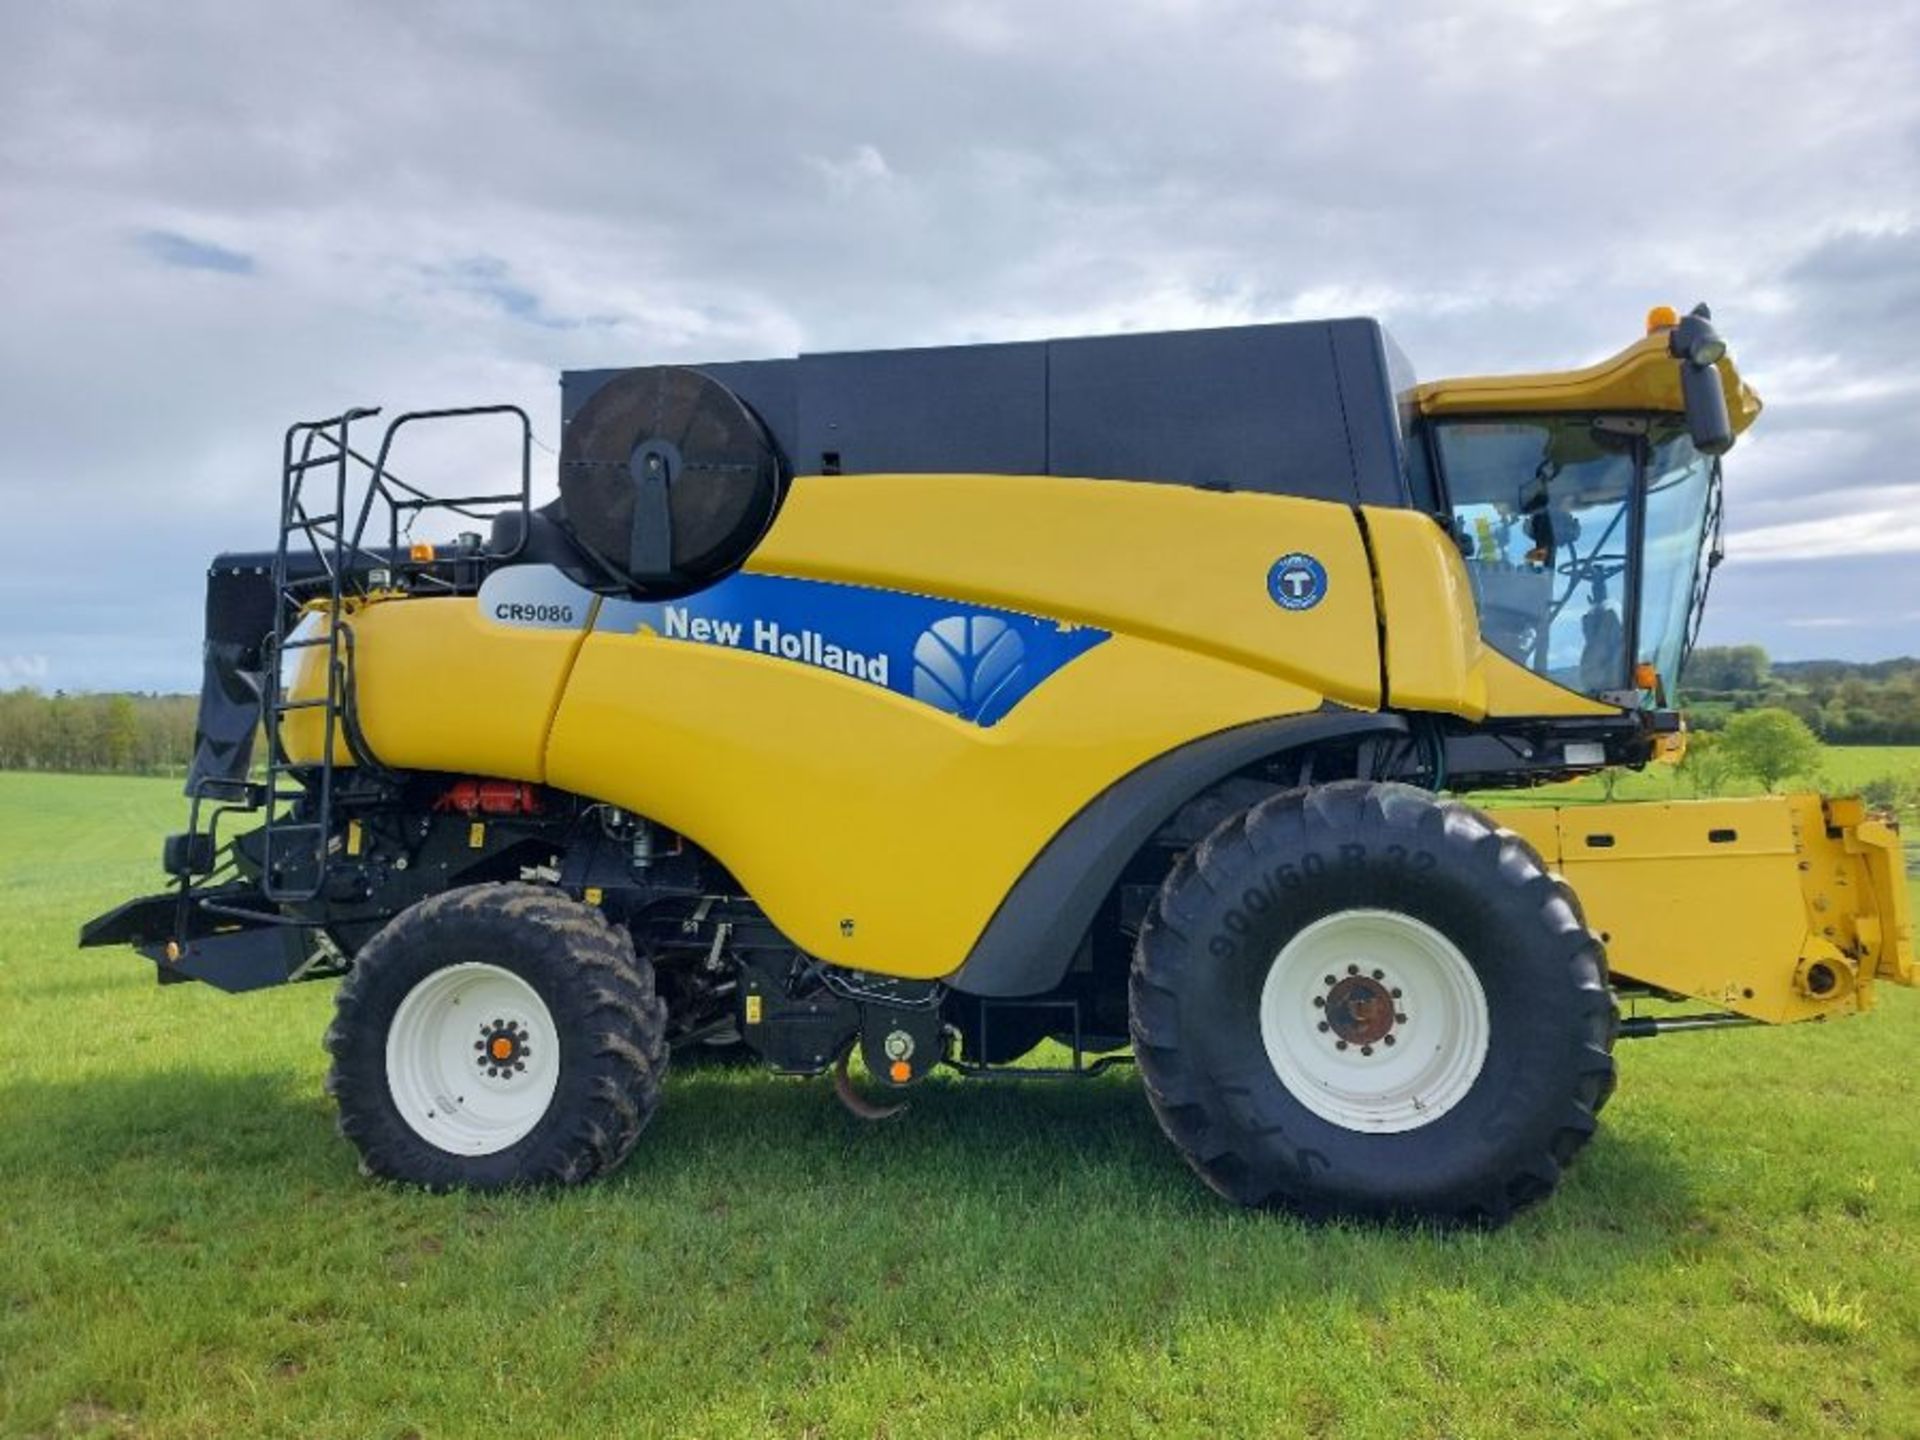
965 663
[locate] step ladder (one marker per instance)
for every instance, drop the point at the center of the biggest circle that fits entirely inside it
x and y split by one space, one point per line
299 814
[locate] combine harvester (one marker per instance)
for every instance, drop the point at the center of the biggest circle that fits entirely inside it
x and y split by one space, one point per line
938 703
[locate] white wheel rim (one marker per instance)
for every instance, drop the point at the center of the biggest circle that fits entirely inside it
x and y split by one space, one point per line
1343 1056
472 1059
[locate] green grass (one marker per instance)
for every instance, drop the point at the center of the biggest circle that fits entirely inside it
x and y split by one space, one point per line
1843 768
186 1248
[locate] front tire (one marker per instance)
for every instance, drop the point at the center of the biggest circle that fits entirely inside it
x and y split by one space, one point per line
1357 999
497 1035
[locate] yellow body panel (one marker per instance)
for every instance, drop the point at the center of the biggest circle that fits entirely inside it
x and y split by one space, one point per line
1514 690
876 832
1641 377
441 687
1160 562
1427 615
1739 903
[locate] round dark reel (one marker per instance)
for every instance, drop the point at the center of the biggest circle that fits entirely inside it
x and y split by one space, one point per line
668 481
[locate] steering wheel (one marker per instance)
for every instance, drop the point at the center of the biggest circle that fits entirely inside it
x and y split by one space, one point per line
1582 566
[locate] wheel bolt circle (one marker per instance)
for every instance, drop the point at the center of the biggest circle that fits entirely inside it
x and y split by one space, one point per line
1357 1010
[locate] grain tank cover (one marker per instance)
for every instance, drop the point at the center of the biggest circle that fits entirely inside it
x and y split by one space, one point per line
1311 408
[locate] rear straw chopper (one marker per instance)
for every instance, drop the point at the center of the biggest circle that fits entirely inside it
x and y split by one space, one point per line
938 704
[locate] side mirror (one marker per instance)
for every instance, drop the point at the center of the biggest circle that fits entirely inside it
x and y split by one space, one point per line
1698 348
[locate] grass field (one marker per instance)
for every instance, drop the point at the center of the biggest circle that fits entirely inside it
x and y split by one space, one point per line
1842 769
186 1249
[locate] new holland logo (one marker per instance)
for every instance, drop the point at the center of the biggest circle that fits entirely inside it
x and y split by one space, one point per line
962 664
976 665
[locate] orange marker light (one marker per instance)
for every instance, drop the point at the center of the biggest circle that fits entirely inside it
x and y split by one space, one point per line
1645 677
900 1072
422 553
1662 317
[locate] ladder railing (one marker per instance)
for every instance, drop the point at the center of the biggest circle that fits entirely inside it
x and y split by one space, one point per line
299 817
298 797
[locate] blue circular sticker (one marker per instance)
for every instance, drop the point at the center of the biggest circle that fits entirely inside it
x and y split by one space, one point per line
1297 582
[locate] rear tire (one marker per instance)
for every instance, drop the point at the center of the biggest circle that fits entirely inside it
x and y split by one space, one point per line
1358 917
497 1035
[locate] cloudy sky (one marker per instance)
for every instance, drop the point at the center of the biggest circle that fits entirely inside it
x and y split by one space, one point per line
218 218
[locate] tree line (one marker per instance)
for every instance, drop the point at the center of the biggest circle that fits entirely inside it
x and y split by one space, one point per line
1842 702
120 733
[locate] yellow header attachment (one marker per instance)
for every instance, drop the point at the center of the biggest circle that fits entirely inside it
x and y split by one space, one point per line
1780 908
1644 376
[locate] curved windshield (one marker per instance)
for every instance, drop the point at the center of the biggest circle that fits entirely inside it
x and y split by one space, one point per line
1581 532
1543 509
1682 496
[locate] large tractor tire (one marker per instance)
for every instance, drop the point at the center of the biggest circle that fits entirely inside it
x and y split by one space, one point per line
497 1035
1356 999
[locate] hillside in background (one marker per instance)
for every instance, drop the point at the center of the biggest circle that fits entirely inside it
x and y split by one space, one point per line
1846 702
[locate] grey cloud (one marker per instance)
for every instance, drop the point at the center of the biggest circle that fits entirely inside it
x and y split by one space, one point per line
447 203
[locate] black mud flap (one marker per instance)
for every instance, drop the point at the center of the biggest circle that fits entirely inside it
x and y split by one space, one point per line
236 960
240 614
226 954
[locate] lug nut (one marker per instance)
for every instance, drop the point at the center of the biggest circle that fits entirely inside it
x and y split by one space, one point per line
1379 974
1324 1027
1319 1002
1339 1044
1386 1039
1366 1050
1399 1019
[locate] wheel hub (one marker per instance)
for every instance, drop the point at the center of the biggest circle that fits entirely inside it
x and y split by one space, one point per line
503 1049
1359 1010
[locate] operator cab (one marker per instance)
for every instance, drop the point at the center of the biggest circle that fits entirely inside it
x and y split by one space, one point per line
1587 505
1589 541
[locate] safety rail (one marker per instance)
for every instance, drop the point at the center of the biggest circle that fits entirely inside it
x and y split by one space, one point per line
347 566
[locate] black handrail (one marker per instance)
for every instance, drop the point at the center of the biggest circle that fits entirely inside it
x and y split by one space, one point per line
292 872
